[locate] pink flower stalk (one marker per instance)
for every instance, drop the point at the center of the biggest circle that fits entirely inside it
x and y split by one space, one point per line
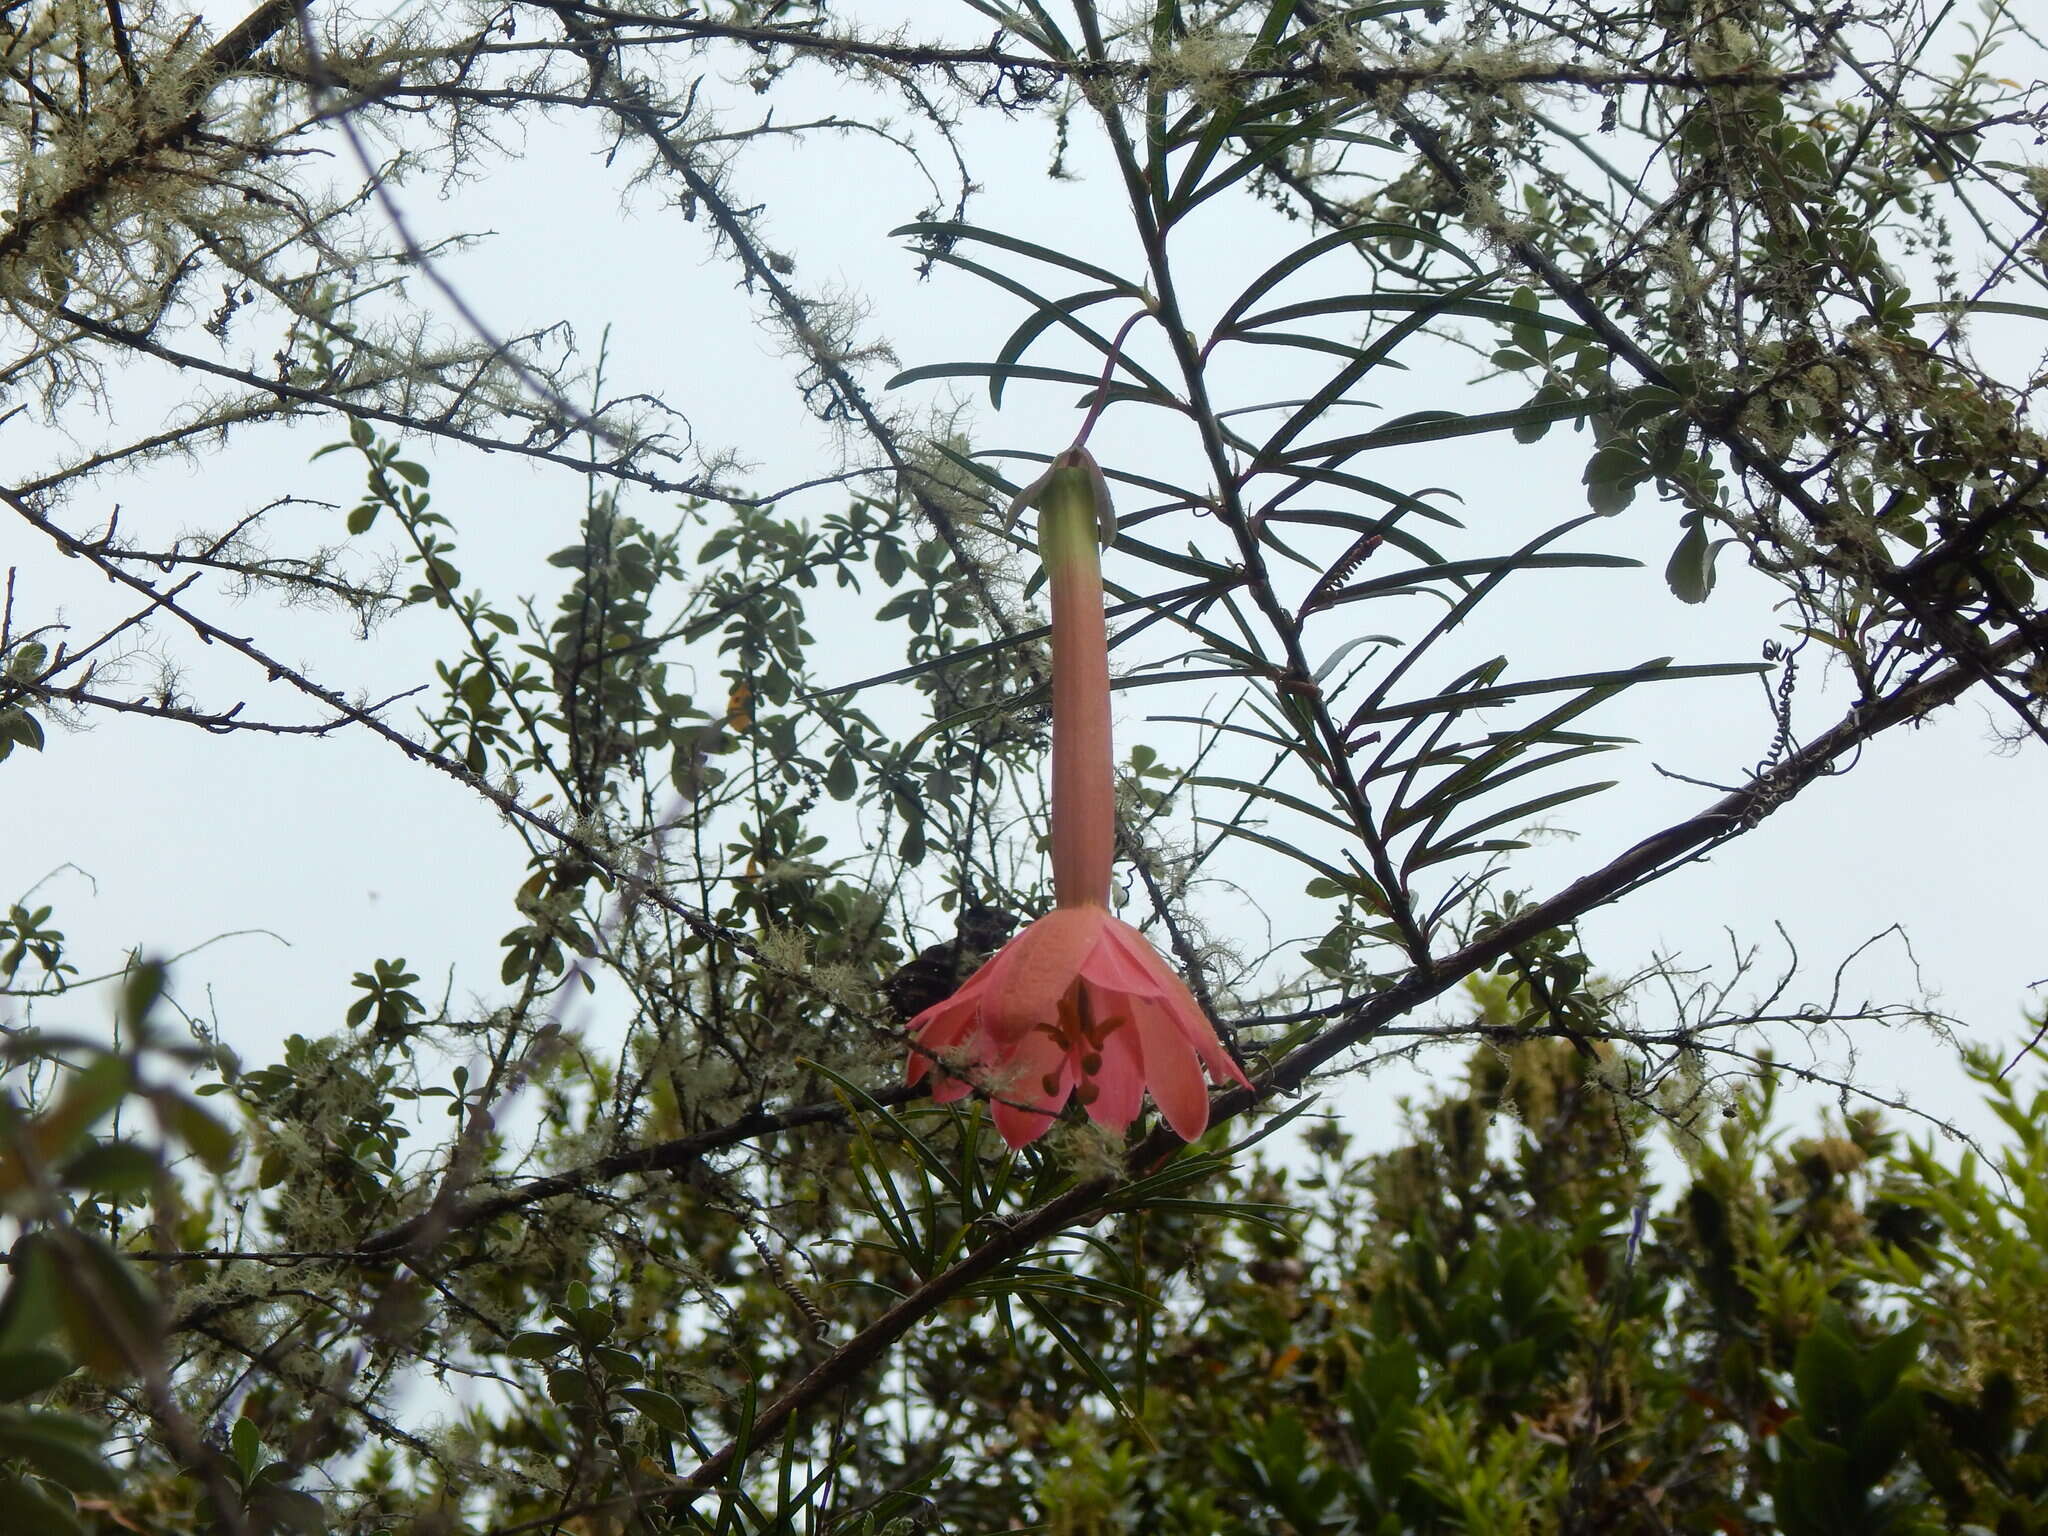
1079 1004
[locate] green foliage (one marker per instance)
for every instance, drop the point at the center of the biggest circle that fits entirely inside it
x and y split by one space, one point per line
71 1300
27 935
1502 1323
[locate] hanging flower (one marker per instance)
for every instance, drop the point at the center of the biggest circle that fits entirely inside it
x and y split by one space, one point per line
1079 1004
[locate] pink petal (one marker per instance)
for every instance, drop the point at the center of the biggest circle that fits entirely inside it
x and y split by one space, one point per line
952 1083
1021 1127
1222 1069
937 1030
1043 961
1201 1034
1125 961
1172 1071
1119 1082
946 1024
1173 995
1029 1089
954 1076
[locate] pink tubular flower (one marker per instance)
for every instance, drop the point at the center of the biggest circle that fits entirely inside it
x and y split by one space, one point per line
1078 1004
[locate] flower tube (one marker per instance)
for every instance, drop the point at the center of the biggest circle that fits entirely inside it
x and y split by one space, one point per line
1079 1005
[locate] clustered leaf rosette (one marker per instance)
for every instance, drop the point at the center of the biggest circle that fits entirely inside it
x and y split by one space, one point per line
1078 1005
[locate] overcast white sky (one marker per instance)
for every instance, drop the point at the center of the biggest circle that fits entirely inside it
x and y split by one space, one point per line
326 854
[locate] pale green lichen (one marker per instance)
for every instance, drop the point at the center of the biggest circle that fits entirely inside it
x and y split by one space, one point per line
1203 63
1688 1098
934 475
1086 1149
784 949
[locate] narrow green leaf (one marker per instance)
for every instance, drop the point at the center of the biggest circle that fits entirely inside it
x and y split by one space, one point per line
1427 853
945 233
1335 659
1431 305
1212 574
874 1109
1463 607
1277 797
1409 581
1302 255
1465 786
1486 698
1380 352
1300 855
1262 145
1357 522
1294 748
1086 381
1444 854
1442 426
1226 117
1074 1350
1392 533
1054 311
1060 312
1981 307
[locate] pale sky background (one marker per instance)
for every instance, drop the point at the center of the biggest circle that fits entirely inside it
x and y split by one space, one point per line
149 834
